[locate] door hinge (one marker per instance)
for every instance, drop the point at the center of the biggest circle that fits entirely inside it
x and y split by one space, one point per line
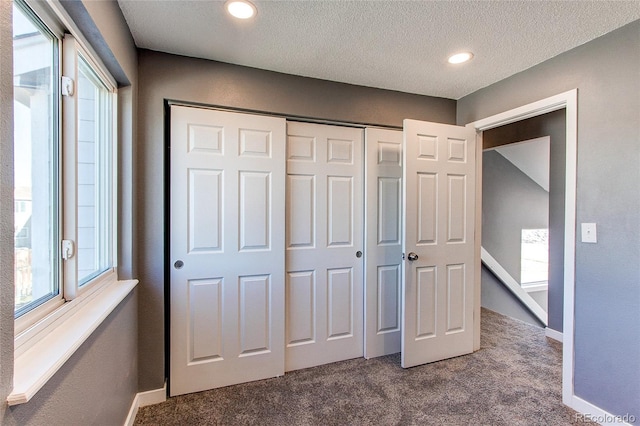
67 249
66 86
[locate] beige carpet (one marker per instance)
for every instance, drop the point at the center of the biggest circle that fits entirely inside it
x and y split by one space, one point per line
514 379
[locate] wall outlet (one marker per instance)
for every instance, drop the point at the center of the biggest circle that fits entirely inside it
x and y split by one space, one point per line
589 233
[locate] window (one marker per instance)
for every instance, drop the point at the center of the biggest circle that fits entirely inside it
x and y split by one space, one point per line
64 193
94 166
21 206
64 150
36 160
534 257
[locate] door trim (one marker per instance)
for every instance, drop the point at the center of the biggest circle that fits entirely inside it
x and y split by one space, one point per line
568 101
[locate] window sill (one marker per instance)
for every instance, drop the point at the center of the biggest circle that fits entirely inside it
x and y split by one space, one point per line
36 365
535 286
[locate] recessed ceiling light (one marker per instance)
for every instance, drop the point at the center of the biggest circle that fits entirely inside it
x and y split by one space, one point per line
459 58
241 9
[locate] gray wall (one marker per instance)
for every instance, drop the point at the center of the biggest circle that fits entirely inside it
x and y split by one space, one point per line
552 124
98 383
496 297
511 201
164 76
607 290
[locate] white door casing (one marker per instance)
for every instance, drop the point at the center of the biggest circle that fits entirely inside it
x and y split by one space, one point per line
439 227
324 278
569 101
227 231
383 255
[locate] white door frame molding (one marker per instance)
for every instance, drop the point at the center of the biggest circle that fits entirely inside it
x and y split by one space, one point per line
569 101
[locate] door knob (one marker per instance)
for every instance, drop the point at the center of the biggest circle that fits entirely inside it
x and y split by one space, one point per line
358 254
179 264
412 256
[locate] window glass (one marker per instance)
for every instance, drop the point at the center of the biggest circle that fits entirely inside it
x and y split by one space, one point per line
534 256
35 161
94 174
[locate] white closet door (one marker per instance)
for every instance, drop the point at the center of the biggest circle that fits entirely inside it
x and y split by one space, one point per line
438 281
324 277
384 212
226 248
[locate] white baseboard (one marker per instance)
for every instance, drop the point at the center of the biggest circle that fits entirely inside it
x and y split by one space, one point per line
588 412
142 399
133 411
553 334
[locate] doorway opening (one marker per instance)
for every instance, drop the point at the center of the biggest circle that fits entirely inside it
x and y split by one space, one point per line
523 217
566 101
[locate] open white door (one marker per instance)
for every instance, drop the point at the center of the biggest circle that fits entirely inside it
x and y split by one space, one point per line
227 248
438 280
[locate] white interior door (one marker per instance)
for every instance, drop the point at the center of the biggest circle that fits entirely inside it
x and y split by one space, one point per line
226 248
438 281
383 255
324 282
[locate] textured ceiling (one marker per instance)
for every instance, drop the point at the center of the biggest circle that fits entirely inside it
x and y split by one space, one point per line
398 45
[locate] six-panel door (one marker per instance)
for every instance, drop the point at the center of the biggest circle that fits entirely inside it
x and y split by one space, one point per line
226 248
384 213
438 285
324 303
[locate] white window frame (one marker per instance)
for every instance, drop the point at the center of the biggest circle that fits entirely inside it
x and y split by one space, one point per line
72 50
30 318
69 49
